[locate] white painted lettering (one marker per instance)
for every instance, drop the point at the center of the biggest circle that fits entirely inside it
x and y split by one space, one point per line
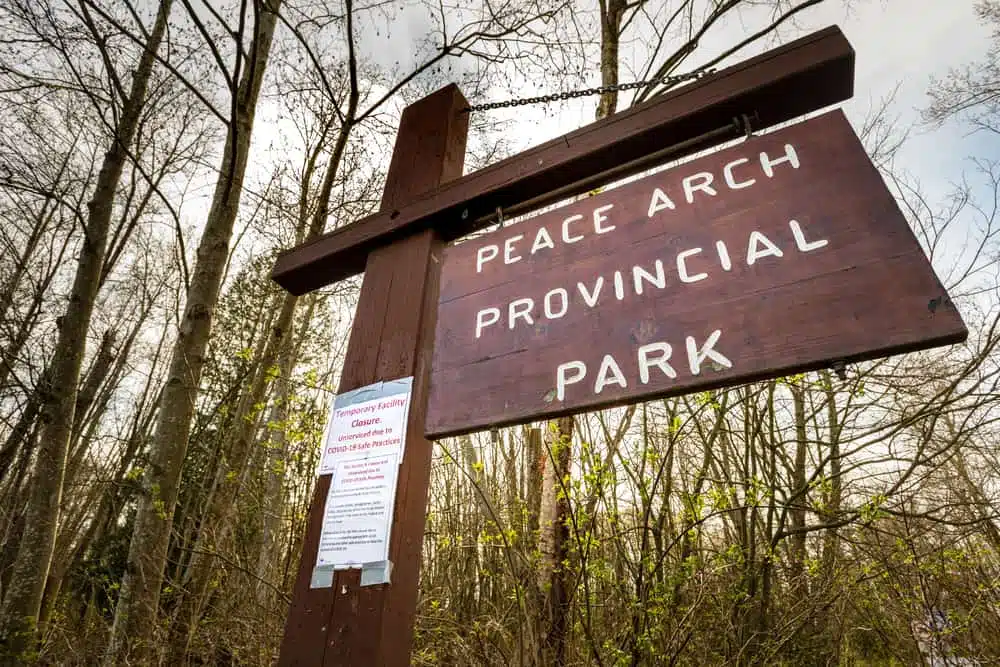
647 361
485 254
520 308
639 274
564 297
690 185
790 156
619 285
599 218
542 240
727 171
658 202
609 373
682 267
508 249
482 322
591 298
720 247
565 229
563 377
754 250
800 239
698 355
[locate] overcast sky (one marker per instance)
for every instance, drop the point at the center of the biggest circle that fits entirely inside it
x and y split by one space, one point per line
906 42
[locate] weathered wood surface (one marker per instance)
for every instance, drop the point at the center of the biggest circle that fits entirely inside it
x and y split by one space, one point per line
799 77
867 292
392 338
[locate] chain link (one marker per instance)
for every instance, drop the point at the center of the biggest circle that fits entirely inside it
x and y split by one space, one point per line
599 90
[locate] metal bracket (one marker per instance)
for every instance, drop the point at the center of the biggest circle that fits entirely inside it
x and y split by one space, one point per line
745 123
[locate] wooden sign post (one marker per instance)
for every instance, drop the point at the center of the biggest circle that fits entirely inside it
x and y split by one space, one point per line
793 243
349 624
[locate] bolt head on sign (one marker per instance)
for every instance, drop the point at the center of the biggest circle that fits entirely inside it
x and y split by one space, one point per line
783 253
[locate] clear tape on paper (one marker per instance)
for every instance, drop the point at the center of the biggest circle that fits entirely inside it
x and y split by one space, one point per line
322 577
372 574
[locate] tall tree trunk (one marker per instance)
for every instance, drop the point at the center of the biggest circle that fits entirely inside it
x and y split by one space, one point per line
276 448
218 518
553 543
276 464
477 522
22 604
137 611
68 530
535 467
612 13
831 539
797 513
513 495
535 464
553 574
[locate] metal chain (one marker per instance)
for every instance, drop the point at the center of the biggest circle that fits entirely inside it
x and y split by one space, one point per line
600 90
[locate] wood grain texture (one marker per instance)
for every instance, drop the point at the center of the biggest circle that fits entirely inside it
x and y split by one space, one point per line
868 292
797 78
392 337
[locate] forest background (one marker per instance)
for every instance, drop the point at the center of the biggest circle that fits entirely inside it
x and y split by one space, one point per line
162 402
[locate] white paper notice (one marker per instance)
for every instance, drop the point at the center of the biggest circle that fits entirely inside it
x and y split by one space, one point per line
368 422
358 512
363 448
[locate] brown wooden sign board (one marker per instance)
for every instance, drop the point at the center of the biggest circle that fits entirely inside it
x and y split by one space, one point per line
781 254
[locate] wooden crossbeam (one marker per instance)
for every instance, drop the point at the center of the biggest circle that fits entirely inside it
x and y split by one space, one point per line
779 85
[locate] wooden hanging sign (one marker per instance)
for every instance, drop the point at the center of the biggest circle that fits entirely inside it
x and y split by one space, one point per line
781 254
